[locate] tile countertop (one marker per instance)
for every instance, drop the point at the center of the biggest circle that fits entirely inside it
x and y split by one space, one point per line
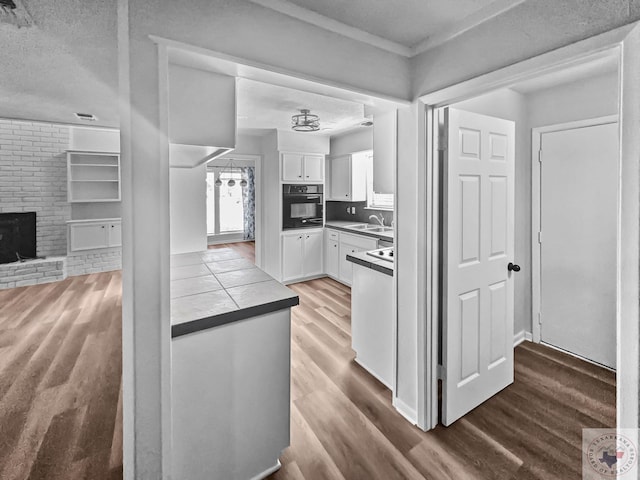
219 286
342 224
362 258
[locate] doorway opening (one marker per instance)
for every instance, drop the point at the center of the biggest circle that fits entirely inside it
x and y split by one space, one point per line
561 264
231 199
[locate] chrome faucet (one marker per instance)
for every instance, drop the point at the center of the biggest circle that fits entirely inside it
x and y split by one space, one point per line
380 219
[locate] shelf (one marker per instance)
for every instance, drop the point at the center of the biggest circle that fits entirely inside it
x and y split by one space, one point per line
95 181
94 165
93 177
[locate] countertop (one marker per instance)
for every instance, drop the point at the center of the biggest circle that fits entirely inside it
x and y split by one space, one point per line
342 224
362 258
219 286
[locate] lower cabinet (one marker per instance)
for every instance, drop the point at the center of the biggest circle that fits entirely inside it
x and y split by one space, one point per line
332 253
94 234
338 245
301 255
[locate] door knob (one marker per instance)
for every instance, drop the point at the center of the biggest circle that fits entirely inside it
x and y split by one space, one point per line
512 267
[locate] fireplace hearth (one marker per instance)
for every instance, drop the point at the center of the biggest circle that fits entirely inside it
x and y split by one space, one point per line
17 236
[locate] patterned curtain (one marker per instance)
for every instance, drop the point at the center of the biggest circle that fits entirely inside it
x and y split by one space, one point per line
249 203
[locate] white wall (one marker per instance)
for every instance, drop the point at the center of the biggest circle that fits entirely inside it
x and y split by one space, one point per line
589 98
351 142
188 209
247 30
511 105
578 100
302 142
94 139
248 144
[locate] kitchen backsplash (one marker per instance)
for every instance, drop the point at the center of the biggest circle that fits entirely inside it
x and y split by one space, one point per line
338 211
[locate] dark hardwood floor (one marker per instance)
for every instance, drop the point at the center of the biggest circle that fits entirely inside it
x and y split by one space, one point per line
60 372
60 413
344 427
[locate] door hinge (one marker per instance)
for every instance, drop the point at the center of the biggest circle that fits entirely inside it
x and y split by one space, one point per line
442 372
540 237
539 318
540 156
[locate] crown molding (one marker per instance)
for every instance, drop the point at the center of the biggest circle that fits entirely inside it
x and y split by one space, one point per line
300 13
492 10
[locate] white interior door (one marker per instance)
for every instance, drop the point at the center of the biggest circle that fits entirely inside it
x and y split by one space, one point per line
478 248
578 212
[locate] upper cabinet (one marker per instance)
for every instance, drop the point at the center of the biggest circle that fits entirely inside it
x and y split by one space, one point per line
299 167
385 135
349 177
202 112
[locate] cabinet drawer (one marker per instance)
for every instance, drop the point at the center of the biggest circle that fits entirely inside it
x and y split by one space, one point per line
333 235
365 243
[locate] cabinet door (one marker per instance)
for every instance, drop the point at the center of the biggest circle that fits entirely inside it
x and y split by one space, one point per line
346 267
361 167
115 234
314 168
332 258
312 254
88 236
292 167
341 178
292 266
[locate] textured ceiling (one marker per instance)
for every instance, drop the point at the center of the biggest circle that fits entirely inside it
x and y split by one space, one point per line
264 106
408 22
66 63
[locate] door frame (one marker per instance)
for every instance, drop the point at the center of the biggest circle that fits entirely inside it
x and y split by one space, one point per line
257 165
625 43
536 177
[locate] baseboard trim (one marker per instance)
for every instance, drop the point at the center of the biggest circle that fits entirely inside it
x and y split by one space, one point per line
403 409
373 373
268 471
520 337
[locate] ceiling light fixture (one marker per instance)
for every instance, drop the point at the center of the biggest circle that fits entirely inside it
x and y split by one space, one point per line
231 182
14 13
305 121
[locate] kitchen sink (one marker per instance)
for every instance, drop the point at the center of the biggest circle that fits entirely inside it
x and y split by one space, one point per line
380 229
359 226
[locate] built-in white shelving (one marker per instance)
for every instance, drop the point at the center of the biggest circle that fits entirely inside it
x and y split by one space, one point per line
93 176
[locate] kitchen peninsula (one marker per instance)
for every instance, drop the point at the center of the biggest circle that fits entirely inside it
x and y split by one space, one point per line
230 326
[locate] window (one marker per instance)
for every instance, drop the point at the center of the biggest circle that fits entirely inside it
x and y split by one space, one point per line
225 210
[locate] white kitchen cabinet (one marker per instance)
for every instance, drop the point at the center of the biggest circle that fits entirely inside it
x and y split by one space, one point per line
349 177
94 234
299 167
385 134
332 253
292 256
301 255
313 168
350 244
312 254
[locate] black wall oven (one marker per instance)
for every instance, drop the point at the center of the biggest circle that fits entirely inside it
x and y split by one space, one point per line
302 206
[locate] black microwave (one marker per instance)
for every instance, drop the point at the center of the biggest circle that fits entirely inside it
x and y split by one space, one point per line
302 206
